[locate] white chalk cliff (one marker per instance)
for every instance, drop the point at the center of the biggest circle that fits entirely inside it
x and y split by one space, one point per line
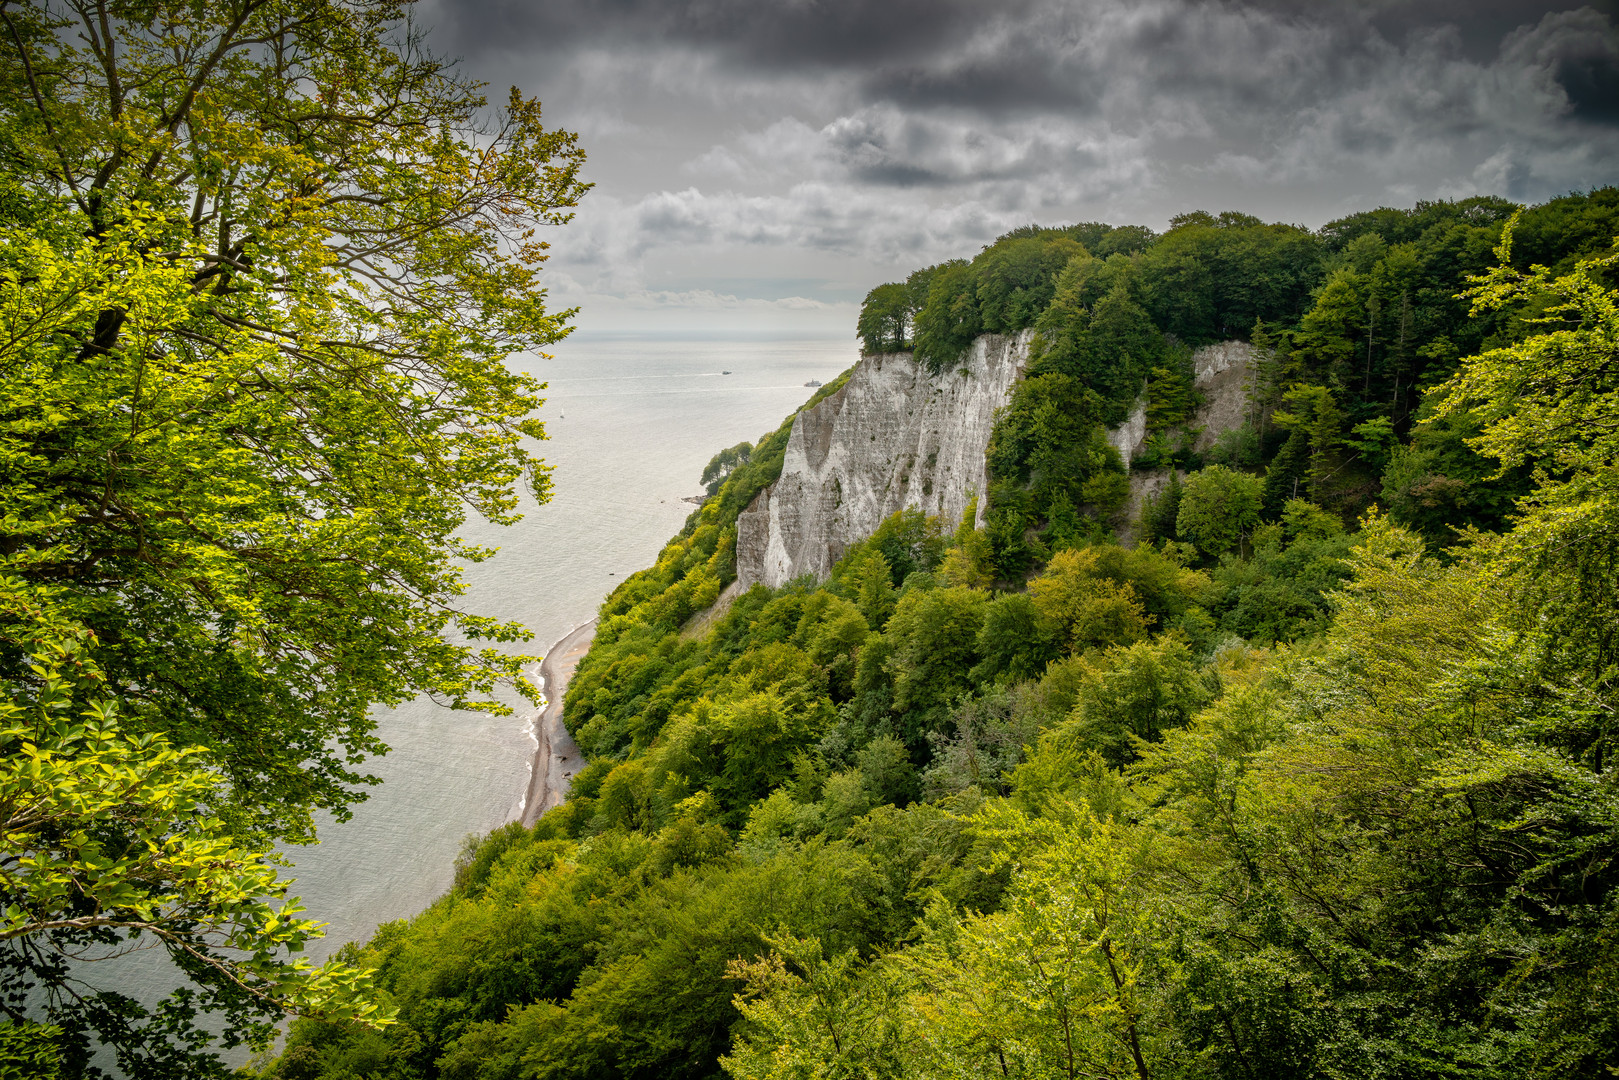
1222 374
896 437
892 437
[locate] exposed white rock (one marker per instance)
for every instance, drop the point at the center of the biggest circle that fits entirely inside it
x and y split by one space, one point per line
1222 374
892 437
895 437
1224 377
1128 436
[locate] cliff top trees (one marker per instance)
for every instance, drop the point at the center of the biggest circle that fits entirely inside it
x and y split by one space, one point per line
260 264
885 319
1210 277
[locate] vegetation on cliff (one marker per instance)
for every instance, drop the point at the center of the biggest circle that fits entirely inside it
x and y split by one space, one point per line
1315 781
1354 323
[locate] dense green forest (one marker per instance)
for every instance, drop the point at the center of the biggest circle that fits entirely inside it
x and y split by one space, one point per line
1313 780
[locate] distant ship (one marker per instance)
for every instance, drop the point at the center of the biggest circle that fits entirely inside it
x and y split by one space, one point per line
725 373
813 382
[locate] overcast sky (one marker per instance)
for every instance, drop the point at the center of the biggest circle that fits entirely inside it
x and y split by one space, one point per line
761 164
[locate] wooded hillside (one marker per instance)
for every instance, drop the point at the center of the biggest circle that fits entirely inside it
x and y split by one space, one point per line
1313 781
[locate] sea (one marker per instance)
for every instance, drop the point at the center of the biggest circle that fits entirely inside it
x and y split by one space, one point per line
631 422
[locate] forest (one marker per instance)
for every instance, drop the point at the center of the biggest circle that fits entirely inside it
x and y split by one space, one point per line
1312 780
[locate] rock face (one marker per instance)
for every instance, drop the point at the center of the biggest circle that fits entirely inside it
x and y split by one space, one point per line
1222 376
1128 436
893 437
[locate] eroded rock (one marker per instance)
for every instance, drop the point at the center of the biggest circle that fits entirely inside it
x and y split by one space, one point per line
896 437
893 437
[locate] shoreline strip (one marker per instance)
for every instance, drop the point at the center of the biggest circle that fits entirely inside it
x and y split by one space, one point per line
557 757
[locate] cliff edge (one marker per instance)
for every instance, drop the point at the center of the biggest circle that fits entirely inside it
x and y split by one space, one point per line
897 437
893 437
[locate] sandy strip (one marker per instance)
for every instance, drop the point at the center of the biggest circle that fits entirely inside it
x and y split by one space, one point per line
557 757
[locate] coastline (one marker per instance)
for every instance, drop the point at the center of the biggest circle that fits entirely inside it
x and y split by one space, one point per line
557 756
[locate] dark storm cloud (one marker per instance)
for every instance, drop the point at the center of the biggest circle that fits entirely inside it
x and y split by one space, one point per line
1069 55
1580 54
1017 55
1587 68
902 131
816 33
994 84
1592 86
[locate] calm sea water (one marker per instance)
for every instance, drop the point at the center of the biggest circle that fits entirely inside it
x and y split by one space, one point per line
631 423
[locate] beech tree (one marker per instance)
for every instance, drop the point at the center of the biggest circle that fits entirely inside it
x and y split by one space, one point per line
1218 507
1551 402
108 840
261 263
266 259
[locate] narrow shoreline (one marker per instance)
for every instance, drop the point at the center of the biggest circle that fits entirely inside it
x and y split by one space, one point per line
557 756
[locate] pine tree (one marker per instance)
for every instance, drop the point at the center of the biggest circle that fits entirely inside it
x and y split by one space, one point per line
1286 470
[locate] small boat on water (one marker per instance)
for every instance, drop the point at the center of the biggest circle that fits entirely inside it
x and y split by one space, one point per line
813 382
725 373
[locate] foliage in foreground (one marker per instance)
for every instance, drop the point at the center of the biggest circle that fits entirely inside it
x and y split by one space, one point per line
110 845
260 267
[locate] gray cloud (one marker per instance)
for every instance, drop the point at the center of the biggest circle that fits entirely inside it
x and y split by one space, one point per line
819 33
852 140
1479 25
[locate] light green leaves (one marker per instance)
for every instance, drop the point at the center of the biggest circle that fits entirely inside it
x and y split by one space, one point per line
1553 397
261 273
108 838
261 264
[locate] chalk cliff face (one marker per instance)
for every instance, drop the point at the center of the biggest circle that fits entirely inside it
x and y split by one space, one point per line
893 437
1224 378
896 437
1222 374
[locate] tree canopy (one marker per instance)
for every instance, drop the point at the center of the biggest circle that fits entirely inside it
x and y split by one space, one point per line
260 266
1294 786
